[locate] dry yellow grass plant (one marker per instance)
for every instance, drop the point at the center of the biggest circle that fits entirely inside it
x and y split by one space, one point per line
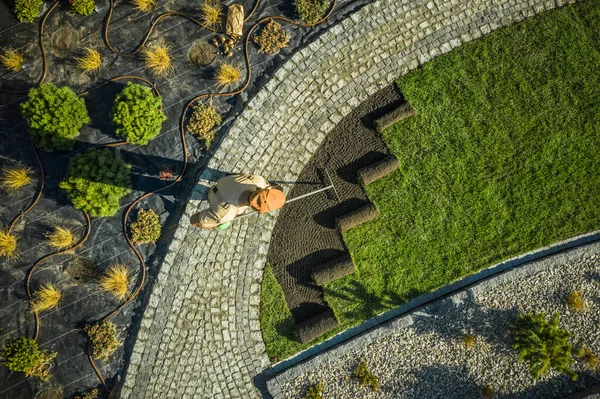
12 59
210 12
46 298
157 59
116 281
144 5
60 238
227 74
90 61
8 245
12 179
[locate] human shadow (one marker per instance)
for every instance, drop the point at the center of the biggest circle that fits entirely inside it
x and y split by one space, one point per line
436 382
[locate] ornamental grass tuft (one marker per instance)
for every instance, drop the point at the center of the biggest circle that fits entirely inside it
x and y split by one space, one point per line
203 120
144 5
365 377
103 339
12 59
227 74
8 245
211 14
46 298
157 59
25 356
271 38
146 228
116 281
60 238
90 61
13 179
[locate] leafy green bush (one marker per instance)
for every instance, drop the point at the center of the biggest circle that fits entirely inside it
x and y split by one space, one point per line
137 115
103 339
146 228
203 120
54 116
96 181
542 344
365 377
311 11
83 7
27 10
25 356
314 391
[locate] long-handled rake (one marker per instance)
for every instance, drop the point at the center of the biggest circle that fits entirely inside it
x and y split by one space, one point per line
331 186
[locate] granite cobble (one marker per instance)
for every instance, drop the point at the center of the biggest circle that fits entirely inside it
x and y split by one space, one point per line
200 333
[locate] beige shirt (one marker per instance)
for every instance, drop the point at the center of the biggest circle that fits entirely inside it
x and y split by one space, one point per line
227 199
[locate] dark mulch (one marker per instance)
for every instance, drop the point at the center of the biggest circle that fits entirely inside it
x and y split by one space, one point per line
305 233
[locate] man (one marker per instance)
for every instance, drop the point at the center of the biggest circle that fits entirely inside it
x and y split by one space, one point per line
233 195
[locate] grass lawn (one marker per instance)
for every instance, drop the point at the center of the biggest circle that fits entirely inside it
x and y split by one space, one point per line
502 157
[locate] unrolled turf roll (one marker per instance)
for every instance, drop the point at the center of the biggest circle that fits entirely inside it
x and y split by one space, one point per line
333 270
376 171
402 112
359 216
315 326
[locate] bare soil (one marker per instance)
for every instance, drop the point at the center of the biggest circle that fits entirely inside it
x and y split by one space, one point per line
202 53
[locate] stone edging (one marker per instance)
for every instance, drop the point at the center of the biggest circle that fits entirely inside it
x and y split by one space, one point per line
388 323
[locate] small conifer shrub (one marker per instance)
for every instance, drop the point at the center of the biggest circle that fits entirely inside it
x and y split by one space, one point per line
575 301
27 10
488 392
365 377
54 116
272 38
96 181
137 114
103 339
542 344
203 120
83 7
146 228
25 356
311 11
11 59
469 340
314 391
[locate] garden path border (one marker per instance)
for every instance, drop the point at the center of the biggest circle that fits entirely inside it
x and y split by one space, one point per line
200 333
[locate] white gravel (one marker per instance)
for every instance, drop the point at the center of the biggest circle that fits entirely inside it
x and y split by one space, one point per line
429 360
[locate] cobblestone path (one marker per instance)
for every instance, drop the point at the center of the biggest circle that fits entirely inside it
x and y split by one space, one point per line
200 334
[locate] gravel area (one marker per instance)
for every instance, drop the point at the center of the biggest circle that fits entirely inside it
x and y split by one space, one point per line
429 359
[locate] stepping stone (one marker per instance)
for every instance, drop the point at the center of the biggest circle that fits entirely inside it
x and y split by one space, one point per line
359 216
333 270
317 325
402 112
376 171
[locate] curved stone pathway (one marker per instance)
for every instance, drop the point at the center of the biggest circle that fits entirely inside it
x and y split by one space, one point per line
200 334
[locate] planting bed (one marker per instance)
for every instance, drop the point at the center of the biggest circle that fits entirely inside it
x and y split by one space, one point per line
76 272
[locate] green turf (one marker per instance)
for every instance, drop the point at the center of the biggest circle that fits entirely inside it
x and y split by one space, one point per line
502 157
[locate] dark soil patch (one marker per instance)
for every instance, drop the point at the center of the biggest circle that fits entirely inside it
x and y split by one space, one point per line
49 394
81 270
305 234
64 41
201 53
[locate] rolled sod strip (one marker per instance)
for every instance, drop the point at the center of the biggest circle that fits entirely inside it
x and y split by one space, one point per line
359 216
315 326
333 270
376 171
402 112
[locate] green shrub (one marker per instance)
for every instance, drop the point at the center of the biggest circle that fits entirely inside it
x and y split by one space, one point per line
314 391
365 377
272 38
146 228
54 116
137 115
311 11
575 301
27 10
96 181
542 344
83 7
25 356
203 120
103 339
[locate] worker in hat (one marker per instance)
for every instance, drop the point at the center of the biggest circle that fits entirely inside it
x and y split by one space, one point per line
233 195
